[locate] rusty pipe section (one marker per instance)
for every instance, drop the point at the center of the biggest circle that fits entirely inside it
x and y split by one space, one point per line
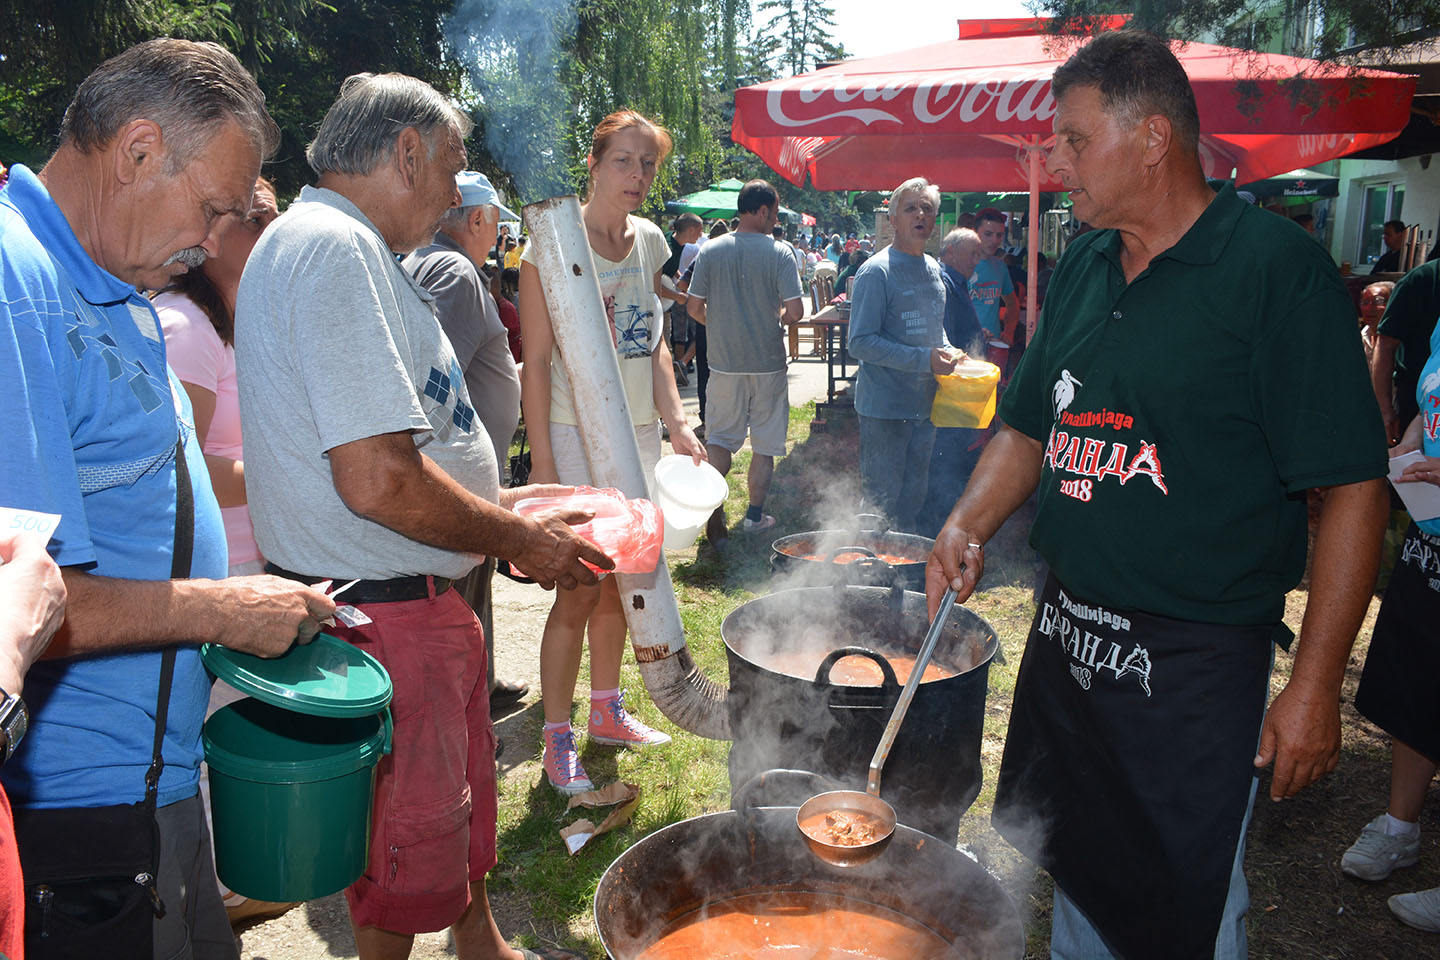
582 333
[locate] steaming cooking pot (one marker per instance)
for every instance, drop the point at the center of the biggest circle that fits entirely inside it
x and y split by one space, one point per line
758 850
787 704
875 558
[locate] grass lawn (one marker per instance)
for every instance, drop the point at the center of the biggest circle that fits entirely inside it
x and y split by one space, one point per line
1301 906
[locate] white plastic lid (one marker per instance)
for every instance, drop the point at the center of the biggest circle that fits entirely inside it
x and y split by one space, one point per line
970 367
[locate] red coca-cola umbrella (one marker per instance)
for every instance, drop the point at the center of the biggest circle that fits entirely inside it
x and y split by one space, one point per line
976 113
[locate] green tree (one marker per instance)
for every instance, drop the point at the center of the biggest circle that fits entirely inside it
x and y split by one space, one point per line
1346 31
797 36
299 51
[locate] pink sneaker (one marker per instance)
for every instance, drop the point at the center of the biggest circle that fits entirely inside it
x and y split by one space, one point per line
611 723
562 763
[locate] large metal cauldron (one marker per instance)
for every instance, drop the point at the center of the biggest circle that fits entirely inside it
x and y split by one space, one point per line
933 774
683 867
819 558
687 865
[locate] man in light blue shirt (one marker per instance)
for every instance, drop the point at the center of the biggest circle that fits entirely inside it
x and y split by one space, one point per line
897 332
159 151
990 284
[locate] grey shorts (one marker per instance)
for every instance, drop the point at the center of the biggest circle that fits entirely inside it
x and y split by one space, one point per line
754 403
195 926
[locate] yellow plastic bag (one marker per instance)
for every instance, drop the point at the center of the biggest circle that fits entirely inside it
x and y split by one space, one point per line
966 398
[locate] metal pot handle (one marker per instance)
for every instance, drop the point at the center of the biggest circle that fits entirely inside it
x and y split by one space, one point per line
887 672
754 793
866 551
870 523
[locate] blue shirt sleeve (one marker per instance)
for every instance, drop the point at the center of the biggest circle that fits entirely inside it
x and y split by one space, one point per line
37 462
868 340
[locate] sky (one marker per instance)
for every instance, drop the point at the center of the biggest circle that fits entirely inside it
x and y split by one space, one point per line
869 28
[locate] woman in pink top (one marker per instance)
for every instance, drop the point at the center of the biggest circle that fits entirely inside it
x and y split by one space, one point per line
197 313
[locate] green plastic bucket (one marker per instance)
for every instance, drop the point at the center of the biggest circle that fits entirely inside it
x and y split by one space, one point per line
292 770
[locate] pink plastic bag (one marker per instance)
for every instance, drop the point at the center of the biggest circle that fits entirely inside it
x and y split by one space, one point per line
630 532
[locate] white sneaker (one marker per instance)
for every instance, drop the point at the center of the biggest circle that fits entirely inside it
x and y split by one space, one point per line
1377 854
755 526
1419 910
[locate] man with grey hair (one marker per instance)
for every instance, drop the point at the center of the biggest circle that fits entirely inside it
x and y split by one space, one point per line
159 150
897 332
450 270
1169 432
957 449
366 460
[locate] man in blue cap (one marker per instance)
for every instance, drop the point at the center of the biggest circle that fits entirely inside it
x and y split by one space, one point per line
450 269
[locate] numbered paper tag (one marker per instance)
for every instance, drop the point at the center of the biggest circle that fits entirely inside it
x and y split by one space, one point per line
29 521
351 616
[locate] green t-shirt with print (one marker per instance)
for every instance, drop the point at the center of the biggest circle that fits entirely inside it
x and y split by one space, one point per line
1184 414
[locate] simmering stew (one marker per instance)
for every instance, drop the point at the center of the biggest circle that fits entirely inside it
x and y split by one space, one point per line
850 556
843 828
854 671
783 925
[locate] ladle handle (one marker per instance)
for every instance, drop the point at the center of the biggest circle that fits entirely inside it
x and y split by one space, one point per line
922 660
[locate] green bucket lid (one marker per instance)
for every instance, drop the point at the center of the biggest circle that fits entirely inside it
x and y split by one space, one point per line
326 677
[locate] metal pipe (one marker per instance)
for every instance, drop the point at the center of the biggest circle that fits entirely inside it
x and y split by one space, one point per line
582 333
1032 245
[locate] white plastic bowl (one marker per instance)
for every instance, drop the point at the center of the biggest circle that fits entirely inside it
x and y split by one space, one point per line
687 495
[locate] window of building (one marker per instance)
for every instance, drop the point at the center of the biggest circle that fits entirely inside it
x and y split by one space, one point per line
1382 202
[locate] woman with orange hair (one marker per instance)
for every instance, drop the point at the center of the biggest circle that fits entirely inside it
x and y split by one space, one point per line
626 152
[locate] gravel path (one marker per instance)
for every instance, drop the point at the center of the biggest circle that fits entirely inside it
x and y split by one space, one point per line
321 928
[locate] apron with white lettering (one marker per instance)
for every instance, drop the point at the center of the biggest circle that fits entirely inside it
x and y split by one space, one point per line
1128 765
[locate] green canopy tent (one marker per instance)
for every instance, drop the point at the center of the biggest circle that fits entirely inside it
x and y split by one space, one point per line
1305 184
717 202
1291 189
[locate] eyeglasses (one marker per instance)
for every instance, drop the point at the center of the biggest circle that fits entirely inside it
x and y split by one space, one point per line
1371 301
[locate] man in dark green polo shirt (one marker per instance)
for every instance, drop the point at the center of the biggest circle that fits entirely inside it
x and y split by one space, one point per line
1170 430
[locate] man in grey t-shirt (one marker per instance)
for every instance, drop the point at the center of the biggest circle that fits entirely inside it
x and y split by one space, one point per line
450 270
745 284
364 458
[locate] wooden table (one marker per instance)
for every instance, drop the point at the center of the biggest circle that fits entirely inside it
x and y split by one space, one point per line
839 368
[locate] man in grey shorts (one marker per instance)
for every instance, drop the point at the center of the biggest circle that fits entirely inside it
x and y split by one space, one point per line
744 285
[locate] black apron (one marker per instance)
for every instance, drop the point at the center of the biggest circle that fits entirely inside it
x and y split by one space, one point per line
1128 766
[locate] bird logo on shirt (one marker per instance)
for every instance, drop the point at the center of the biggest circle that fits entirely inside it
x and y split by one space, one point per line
1064 393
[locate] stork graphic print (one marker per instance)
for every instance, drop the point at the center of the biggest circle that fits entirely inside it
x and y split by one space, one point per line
1085 448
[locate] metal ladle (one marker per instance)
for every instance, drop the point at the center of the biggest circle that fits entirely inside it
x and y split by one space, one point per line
869 803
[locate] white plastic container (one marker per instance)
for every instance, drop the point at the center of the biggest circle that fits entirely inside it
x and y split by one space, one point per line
687 495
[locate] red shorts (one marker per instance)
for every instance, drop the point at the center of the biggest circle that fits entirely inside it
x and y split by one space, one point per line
433 824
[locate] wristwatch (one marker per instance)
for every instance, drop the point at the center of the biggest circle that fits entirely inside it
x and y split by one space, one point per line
14 721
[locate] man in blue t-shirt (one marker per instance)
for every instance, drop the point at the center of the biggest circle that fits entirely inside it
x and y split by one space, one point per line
139 192
990 284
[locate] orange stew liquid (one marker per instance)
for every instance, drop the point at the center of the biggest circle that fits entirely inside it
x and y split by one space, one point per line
851 671
785 925
894 559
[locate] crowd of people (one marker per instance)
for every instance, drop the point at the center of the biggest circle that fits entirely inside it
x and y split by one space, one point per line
226 408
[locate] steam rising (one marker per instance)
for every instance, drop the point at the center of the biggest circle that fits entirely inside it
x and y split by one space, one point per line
511 55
